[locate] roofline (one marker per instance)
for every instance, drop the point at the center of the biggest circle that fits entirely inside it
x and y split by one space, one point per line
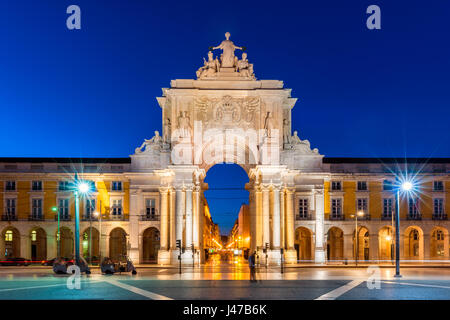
65 160
333 160
385 160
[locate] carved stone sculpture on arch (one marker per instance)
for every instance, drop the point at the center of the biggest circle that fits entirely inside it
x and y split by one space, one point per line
153 143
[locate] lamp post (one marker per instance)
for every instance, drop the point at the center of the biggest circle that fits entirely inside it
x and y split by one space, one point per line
80 187
99 215
406 186
58 239
359 213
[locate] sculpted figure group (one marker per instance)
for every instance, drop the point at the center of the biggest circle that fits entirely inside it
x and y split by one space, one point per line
211 67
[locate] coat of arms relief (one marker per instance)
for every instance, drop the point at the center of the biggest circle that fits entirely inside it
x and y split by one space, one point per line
227 112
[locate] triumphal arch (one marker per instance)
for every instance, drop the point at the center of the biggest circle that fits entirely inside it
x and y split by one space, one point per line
227 115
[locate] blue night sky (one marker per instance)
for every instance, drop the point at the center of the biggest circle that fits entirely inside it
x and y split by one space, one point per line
91 92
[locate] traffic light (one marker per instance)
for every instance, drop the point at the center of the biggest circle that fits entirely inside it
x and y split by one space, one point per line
179 244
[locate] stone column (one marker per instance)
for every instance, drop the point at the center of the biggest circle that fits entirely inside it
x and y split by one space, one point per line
25 246
107 253
290 232
196 217
276 219
258 218
179 204
290 255
446 253
135 201
164 205
188 227
319 251
172 220
282 220
51 247
265 216
373 248
348 250
426 246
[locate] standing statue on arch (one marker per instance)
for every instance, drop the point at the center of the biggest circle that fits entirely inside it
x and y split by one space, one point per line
227 58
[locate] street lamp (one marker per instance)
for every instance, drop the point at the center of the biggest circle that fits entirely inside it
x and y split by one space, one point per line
405 186
81 187
58 239
359 213
99 215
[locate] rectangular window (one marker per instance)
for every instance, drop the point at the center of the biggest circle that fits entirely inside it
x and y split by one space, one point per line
117 207
336 208
150 207
361 205
362 186
90 208
388 207
303 208
438 207
116 186
387 185
10 207
438 186
64 208
336 186
36 208
63 185
10 186
413 207
36 185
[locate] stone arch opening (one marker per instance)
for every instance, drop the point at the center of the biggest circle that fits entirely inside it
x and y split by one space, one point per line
38 238
117 243
414 243
90 244
439 243
335 244
11 241
66 242
361 247
303 244
150 245
386 239
226 204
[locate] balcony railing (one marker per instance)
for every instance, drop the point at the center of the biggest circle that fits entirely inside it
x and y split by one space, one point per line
414 217
386 217
87 217
364 217
9 217
33 217
336 217
149 217
439 217
62 217
118 217
303 217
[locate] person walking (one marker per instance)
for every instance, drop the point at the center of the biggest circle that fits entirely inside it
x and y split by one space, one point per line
252 265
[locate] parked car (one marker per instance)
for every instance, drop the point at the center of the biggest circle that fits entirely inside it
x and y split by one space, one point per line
123 264
15 262
61 265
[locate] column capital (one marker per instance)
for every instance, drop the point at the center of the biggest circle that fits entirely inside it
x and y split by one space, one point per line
289 190
164 189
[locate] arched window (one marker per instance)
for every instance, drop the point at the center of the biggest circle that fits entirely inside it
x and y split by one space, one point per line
33 235
9 235
439 235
